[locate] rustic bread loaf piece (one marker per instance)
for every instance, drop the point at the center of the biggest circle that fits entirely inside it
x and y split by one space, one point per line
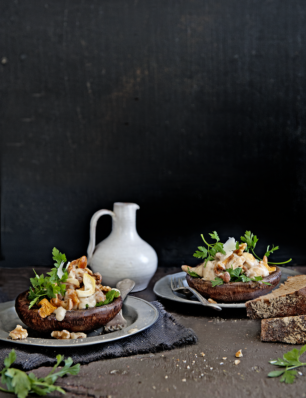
290 329
288 300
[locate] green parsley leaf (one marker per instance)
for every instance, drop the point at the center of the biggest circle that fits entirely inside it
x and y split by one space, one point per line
289 376
21 384
245 279
237 245
51 285
290 361
217 281
87 306
276 373
268 252
10 359
292 356
58 257
110 297
250 240
215 236
211 250
193 274
201 253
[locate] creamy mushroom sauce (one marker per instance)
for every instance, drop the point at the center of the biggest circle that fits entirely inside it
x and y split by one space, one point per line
232 259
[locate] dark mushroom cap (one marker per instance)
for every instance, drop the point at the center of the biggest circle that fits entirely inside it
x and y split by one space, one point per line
235 292
74 321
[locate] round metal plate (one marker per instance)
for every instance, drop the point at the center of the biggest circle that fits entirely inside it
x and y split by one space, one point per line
140 315
162 289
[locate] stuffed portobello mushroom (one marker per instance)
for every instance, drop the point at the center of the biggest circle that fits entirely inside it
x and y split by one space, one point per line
232 272
69 298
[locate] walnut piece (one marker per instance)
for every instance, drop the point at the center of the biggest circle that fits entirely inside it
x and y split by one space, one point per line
65 335
78 335
105 288
18 333
238 354
61 335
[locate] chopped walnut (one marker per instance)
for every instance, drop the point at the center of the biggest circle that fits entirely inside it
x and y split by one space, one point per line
61 335
18 333
105 289
238 354
78 336
65 335
212 301
98 277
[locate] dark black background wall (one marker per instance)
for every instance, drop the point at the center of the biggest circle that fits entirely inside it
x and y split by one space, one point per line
193 109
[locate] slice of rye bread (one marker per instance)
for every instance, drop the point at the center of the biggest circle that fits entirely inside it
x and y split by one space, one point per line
290 329
288 300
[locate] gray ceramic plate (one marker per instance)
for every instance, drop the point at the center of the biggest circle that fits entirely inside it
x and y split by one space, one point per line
139 314
162 289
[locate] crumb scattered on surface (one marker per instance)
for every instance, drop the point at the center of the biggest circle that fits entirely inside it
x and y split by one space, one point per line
239 354
237 362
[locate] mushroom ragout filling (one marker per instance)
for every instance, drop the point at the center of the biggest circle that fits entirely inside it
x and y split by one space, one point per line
69 287
232 261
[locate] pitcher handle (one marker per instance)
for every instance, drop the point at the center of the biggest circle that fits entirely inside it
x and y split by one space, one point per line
92 231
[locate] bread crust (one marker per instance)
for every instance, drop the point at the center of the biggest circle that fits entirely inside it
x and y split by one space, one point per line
290 329
288 300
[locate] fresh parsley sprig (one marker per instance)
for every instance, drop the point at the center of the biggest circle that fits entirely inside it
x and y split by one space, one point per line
51 285
290 361
211 250
238 276
21 384
251 241
217 281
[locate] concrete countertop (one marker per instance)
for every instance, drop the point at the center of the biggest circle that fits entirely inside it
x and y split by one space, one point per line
206 369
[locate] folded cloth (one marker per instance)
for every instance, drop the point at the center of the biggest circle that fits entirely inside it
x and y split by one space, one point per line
165 334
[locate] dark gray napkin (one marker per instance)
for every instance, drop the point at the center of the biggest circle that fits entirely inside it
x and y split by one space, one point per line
165 334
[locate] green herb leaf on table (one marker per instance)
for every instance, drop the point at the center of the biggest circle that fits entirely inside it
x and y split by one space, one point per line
110 297
291 361
193 274
21 384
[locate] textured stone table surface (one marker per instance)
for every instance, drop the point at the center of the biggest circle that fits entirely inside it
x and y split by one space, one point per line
181 372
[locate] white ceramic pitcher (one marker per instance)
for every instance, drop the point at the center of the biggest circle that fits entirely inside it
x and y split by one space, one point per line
123 254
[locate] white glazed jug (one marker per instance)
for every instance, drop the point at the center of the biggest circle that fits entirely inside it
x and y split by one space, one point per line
123 254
